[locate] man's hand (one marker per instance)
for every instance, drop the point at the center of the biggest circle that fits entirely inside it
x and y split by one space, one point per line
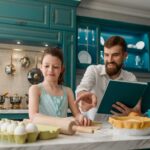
124 110
87 100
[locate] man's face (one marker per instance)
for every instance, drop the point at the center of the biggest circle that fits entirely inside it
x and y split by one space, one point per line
113 59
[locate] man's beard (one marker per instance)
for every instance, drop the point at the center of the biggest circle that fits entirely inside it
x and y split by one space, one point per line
113 71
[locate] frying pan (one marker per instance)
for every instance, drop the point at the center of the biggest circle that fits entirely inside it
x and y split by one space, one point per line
35 75
10 69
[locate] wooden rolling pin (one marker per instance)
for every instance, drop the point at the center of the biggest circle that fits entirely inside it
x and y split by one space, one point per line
67 126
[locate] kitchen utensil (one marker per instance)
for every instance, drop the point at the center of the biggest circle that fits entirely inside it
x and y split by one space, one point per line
10 69
25 62
2 97
67 125
15 101
2 100
35 75
102 41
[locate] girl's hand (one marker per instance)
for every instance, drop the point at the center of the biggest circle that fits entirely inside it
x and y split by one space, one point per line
82 120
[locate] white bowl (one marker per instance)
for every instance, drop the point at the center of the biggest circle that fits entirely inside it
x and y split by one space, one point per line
132 132
140 45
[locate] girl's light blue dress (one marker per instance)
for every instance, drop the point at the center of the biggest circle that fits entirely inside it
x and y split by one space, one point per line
53 105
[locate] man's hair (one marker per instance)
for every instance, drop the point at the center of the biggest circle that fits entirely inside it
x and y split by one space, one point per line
114 41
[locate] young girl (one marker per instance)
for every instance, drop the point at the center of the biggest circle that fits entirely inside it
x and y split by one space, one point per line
49 99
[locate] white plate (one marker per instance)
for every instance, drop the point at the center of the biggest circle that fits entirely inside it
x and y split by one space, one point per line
132 132
84 57
140 45
102 41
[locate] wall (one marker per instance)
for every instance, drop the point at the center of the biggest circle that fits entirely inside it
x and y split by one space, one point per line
118 12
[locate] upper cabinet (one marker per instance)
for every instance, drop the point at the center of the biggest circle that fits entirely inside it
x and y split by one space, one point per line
87 52
42 23
24 13
62 17
91 39
137 47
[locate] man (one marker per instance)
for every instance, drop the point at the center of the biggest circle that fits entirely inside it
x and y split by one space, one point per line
93 84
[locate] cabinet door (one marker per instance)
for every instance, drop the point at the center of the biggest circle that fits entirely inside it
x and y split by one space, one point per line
24 13
37 37
69 58
62 17
87 50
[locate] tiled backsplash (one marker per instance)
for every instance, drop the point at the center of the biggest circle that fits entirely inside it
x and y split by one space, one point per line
17 83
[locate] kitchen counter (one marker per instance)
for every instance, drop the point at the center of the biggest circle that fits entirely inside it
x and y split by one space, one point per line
103 139
14 113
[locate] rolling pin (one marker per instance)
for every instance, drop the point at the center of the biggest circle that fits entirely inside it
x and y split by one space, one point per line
67 126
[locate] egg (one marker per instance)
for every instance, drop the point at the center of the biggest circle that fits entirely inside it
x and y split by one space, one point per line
11 127
20 130
131 114
32 131
20 134
30 127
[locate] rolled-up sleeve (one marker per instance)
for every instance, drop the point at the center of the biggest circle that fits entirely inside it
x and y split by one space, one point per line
88 80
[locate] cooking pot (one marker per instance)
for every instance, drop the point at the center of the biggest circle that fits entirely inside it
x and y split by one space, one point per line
10 69
15 99
35 75
2 98
25 62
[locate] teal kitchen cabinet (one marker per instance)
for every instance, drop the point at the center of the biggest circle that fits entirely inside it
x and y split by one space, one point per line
29 36
40 23
138 58
91 39
87 51
62 17
24 13
69 48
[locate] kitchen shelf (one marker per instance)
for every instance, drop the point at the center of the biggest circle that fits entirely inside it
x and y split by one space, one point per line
91 39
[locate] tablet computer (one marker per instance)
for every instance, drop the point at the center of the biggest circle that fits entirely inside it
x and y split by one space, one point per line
125 92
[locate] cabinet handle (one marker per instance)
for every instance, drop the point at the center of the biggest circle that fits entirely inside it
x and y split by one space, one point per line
22 23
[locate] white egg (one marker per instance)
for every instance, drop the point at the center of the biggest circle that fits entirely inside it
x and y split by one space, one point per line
11 127
4 126
20 130
30 127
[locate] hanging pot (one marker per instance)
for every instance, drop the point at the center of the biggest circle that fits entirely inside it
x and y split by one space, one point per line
10 69
35 75
25 62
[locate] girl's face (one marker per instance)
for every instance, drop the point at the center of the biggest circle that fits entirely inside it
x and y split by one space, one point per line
51 68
